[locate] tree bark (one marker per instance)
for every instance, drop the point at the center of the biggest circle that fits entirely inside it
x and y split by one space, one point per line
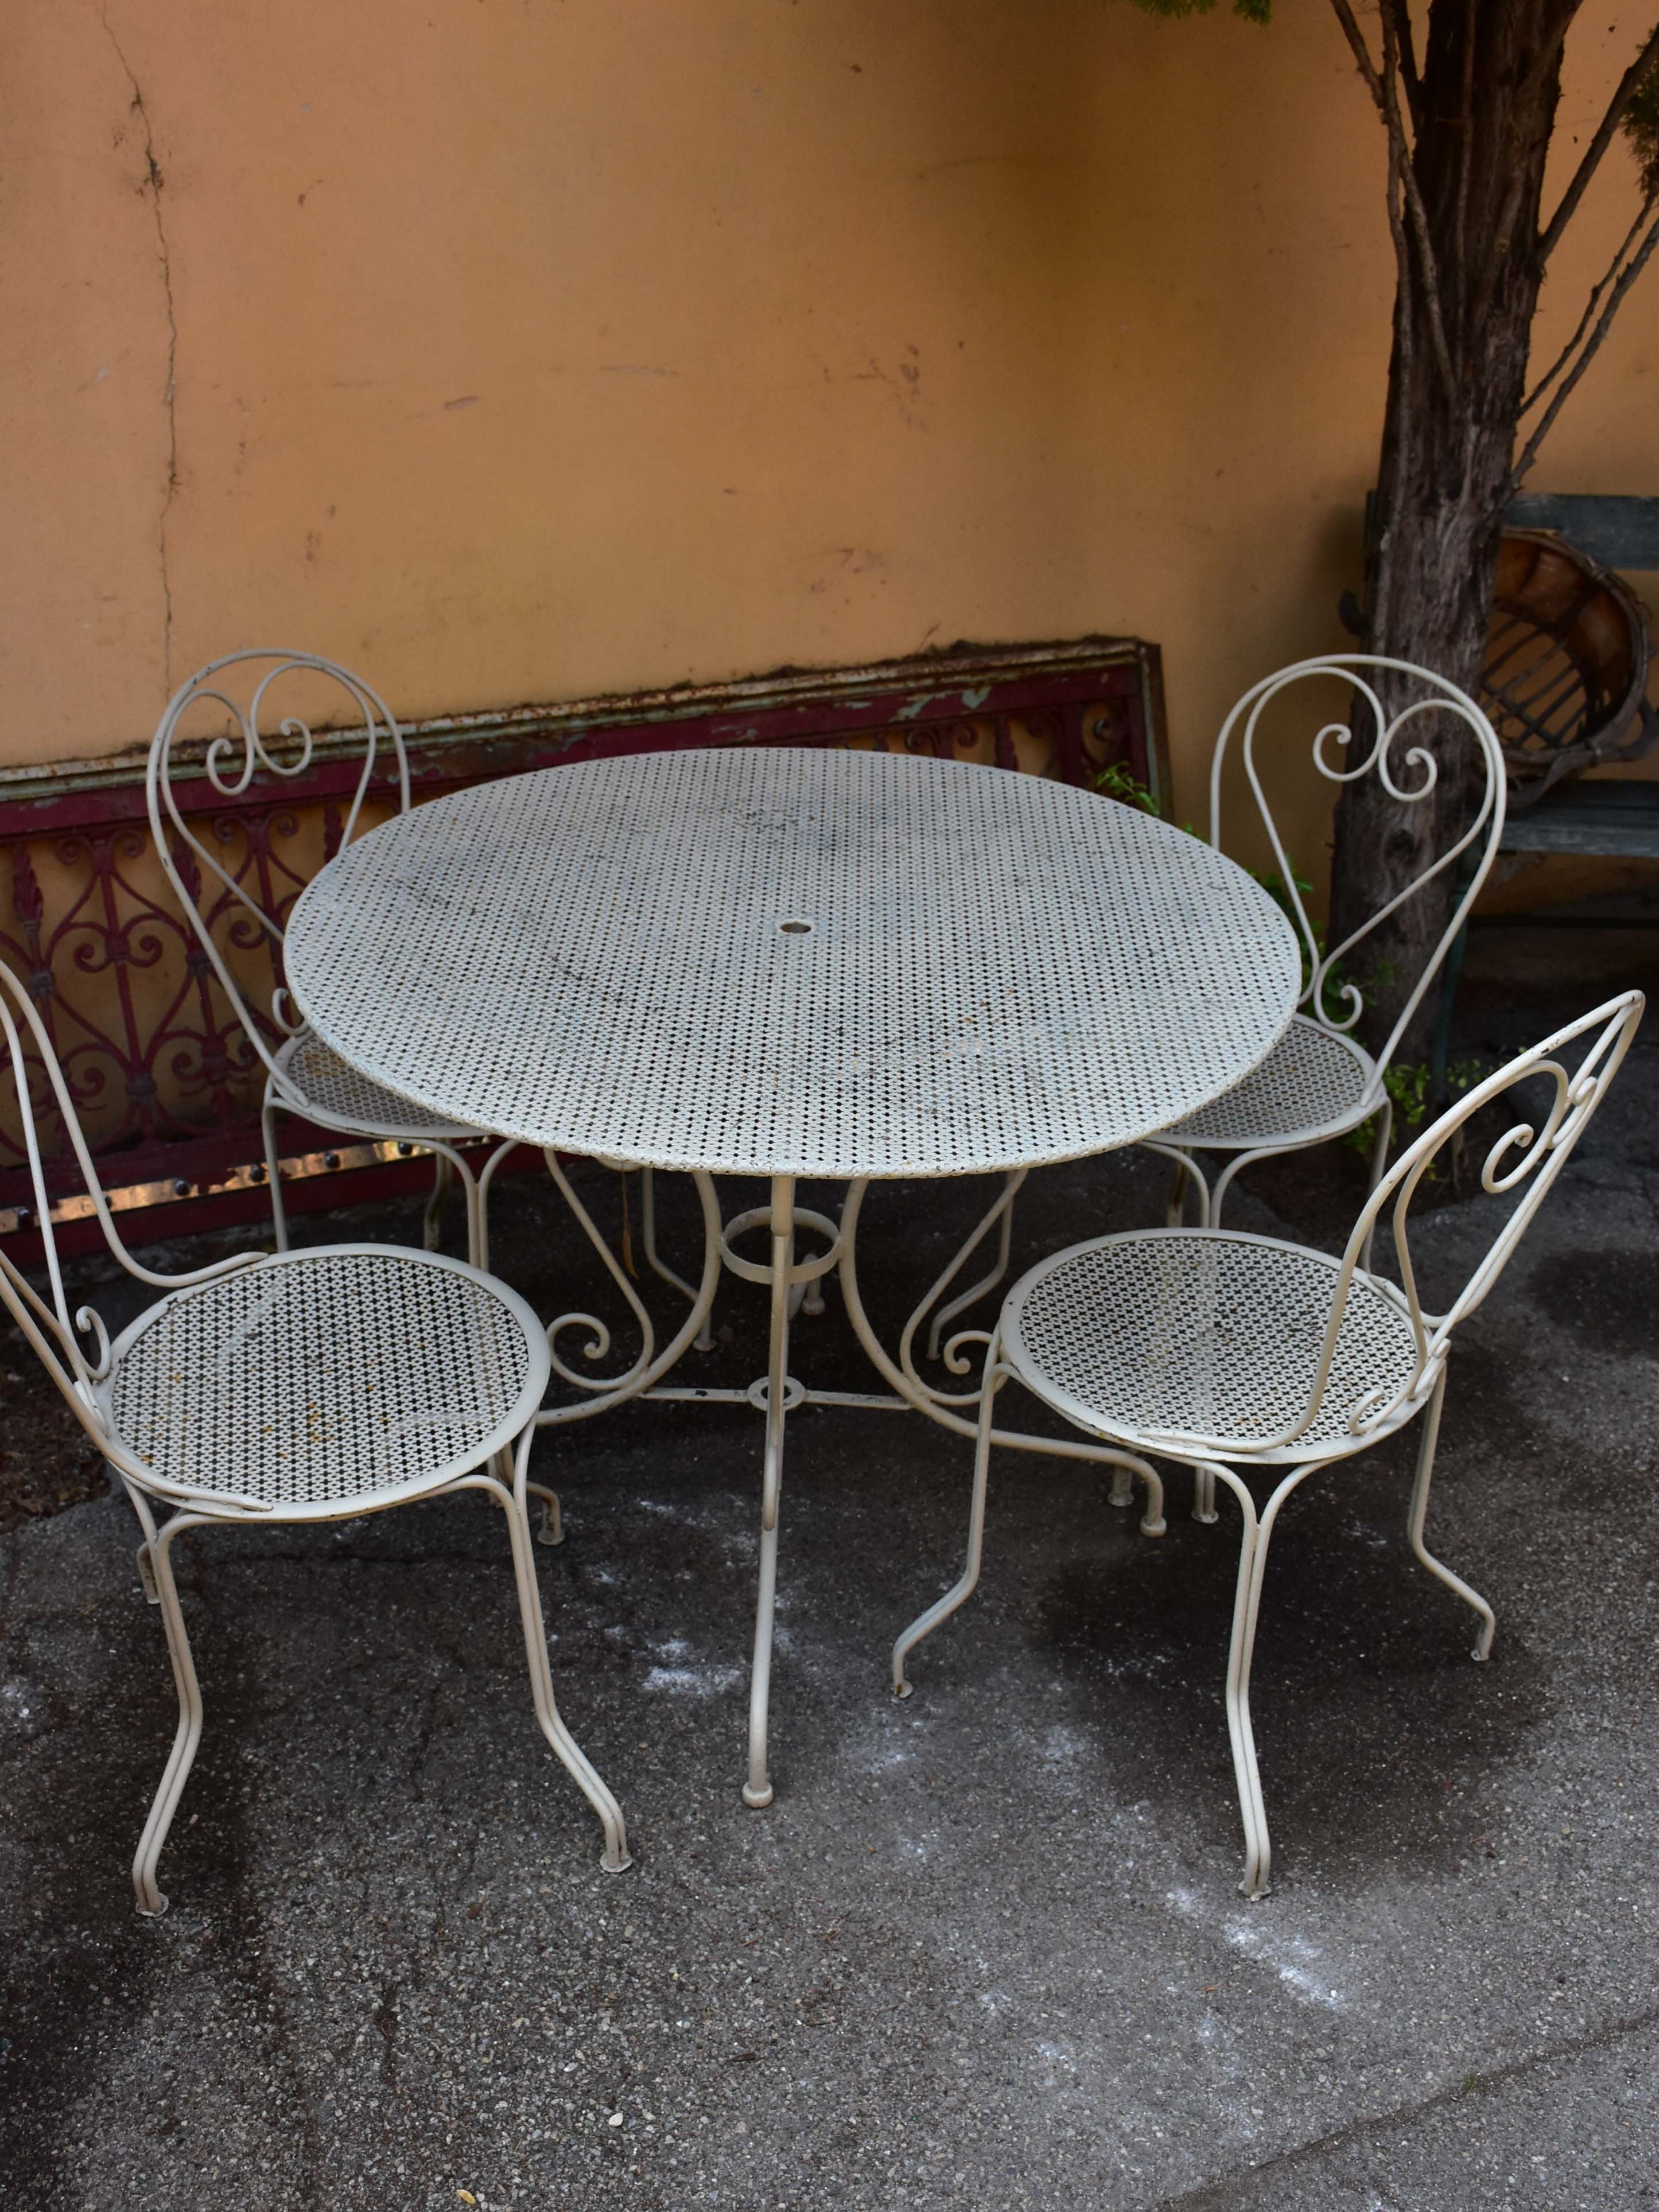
1469 271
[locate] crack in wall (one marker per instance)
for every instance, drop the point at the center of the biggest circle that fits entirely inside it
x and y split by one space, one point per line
153 183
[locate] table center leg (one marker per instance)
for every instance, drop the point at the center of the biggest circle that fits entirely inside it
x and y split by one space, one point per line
757 1790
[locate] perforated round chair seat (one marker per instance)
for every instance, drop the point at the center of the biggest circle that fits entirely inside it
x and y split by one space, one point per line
326 1381
1310 1084
319 1082
1165 1335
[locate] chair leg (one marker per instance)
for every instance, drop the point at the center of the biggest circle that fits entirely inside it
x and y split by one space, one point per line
140 1505
1419 1513
450 1168
552 1528
1189 1175
960 1591
1246 1774
1224 1183
814 1303
475 1198
704 1340
478 1197
1176 1211
1000 1268
274 1170
443 1175
569 1752
151 1902
1379 1162
1204 1495
1247 1608
1218 1196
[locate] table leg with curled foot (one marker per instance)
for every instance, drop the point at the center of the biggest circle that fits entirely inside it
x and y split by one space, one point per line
757 1790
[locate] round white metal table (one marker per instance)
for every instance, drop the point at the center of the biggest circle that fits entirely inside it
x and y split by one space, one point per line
794 963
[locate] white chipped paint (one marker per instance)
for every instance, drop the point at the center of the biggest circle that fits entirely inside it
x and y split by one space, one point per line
693 1681
1297 1963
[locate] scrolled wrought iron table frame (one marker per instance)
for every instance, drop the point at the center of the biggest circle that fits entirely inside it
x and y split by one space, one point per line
798 966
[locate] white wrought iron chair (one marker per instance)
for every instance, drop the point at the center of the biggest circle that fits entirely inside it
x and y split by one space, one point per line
302 1076
1227 1352
305 1385
1318 1083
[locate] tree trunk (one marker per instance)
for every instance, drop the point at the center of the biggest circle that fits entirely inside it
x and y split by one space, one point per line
1490 83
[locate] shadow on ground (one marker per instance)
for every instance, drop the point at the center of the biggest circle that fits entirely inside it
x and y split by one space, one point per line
986 1949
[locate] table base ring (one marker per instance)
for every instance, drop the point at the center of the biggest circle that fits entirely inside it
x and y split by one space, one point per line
759 1271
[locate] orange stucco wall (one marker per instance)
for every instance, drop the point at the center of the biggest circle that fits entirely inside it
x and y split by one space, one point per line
517 350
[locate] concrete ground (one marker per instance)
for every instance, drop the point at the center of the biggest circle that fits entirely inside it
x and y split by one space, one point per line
986 1948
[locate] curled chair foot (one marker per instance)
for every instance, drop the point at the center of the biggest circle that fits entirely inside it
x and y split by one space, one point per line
756 1800
923 1624
1416 1515
149 1900
551 1526
614 1857
1152 1522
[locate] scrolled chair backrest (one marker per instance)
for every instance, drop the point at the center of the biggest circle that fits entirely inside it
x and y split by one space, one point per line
75 1348
230 764
1335 1000
1523 1164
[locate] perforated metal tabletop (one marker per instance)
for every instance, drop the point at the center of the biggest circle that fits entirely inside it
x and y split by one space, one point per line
792 962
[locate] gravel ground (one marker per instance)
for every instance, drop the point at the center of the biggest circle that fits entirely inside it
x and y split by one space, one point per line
986 1948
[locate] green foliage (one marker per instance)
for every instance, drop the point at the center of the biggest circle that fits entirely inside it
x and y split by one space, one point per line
1253 11
1408 1090
1279 891
1116 781
1642 129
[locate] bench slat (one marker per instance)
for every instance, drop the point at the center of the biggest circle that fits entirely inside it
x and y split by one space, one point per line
1618 531
1607 820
